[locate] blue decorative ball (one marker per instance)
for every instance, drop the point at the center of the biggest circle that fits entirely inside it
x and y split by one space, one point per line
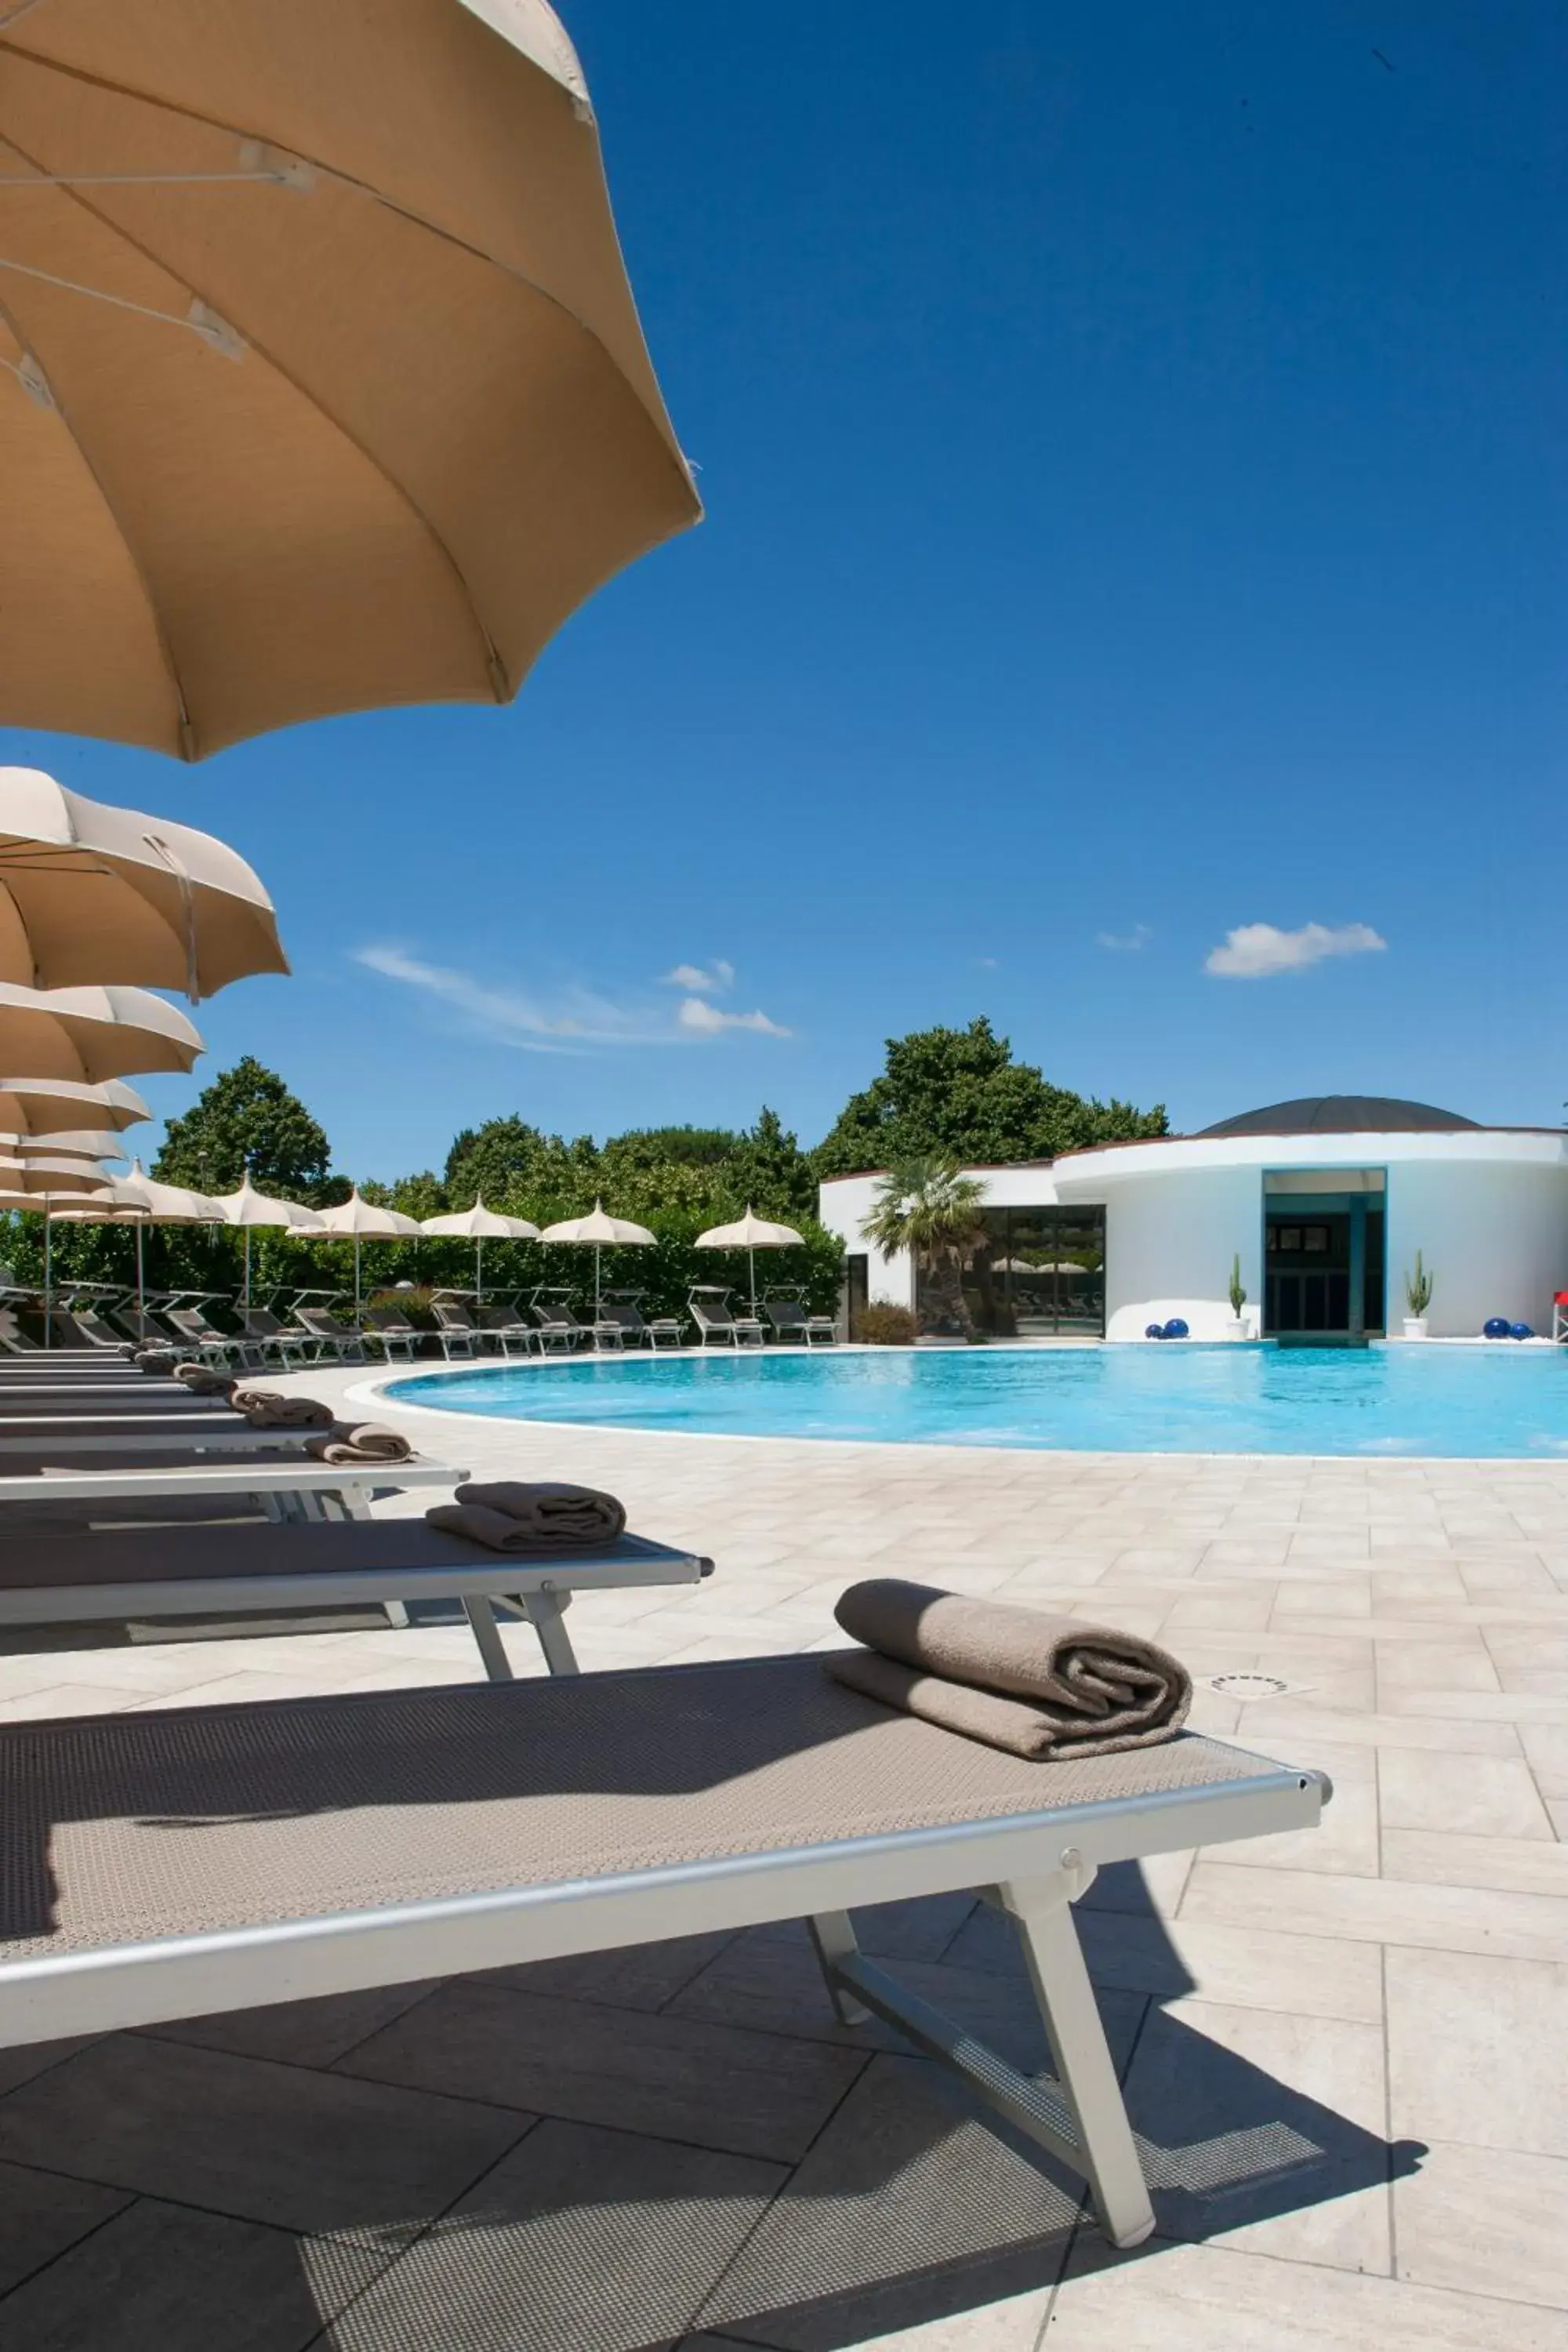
1153 1331
1519 1331
1496 1327
1175 1330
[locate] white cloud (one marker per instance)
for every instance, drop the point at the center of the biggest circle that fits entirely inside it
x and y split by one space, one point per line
707 1021
1125 942
571 1020
710 980
986 963
1255 951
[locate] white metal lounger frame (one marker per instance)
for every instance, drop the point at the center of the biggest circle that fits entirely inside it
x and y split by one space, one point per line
538 1592
302 1487
1034 1866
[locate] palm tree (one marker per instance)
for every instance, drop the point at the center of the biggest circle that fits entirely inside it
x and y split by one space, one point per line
931 1208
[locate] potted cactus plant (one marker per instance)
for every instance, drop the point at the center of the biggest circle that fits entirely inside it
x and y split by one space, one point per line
1418 1298
1236 1327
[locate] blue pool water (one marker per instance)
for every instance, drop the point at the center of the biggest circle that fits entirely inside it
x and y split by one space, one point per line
1502 1401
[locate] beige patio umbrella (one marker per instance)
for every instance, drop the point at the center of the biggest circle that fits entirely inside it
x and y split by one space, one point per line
143 1201
51 1173
322 388
750 1233
479 1225
602 1231
90 893
90 1033
73 1143
249 1209
40 1107
367 1221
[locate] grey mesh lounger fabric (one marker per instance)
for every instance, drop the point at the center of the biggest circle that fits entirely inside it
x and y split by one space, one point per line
108 1574
168 1864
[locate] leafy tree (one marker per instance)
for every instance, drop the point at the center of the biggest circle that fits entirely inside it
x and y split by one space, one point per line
772 1172
246 1121
689 1147
509 1163
958 1094
932 1209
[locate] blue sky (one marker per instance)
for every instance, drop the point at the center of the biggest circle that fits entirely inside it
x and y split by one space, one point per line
1133 444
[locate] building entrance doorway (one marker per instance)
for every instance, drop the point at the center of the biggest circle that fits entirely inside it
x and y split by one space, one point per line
1323 1254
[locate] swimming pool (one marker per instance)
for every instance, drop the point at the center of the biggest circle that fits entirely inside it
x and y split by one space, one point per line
1501 1401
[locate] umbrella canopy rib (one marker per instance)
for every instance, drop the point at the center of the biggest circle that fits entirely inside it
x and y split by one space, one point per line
410 423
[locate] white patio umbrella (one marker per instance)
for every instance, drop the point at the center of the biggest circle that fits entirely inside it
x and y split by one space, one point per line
368 1222
91 893
602 1231
750 1233
322 385
479 1226
51 1172
248 1208
45 1106
143 1201
91 1033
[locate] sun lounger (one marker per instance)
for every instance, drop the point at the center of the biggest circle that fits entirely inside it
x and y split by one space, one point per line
558 1327
346 1340
82 1328
285 1485
171 1864
393 1333
715 1322
795 1323
456 1329
110 1574
504 1324
213 1345
166 1429
638 1330
290 1343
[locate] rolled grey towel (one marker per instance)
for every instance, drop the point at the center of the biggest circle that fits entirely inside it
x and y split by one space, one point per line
271 1409
159 1361
364 1441
1023 1679
204 1380
552 1511
510 1516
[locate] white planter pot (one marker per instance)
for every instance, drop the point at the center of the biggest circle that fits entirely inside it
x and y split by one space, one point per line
1236 1327
1416 1327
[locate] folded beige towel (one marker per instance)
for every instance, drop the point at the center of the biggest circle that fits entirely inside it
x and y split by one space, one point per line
565 1514
204 1380
1022 1679
363 1441
545 1520
271 1409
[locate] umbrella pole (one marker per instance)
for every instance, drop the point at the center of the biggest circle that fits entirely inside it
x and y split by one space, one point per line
140 1288
356 1276
751 1262
245 1296
479 1269
49 1285
597 1314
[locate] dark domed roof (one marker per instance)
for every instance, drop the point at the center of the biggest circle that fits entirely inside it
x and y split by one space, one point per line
1342 1115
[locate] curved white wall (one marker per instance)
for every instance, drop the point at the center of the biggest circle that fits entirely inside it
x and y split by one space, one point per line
1169 1241
1494 1239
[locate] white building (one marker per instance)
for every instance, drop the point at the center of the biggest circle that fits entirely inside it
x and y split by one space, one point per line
1324 1202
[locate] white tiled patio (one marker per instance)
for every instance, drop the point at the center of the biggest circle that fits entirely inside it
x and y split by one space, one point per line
1344 2049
